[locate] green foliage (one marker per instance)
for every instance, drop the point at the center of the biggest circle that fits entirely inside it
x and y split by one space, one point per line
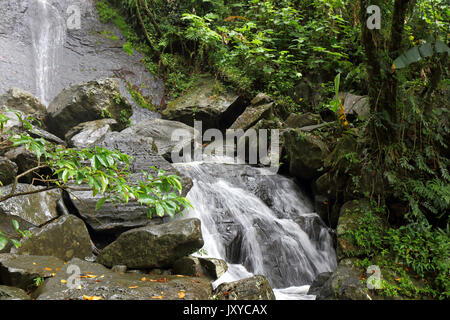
4 238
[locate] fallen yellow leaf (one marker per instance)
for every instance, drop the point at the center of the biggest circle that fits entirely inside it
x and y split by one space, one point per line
48 269
79 287
143 279
180 276
63 281
159 297
133 287
181 294
92 297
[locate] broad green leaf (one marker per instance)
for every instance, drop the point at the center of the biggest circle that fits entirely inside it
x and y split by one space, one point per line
100 203
441 47
3 242
15 224
16 243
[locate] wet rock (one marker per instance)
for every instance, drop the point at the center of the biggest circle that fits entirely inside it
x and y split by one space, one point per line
306 154
23 158
208 101
65 238
8 171
254 288
7 227
302 120
21 270
119 268
154 246
85 102
89 134
37 209
261 107
11 293
164 136
355 105
342 284
23 101
201 267
109 285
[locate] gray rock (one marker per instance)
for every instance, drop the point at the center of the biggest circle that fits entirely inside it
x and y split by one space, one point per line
11 293
65 238
261 107
109 285
204 267
85 102
154 246
7 227
37 209
342 284
119 268
8 171
355 105
302 120
23 101
23 158
208 101
306 154
254 288
89 134
21 270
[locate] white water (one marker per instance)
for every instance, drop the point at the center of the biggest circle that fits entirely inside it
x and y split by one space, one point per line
289 253
48 31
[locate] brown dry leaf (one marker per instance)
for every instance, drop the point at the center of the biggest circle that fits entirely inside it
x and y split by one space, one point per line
144 279
92 297
158 280
180 276
48 269
57 269
195 281
181 294
91 276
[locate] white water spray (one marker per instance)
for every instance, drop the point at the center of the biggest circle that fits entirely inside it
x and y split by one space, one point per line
48 32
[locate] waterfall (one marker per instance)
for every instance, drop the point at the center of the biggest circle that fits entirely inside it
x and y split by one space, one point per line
259 224
48 32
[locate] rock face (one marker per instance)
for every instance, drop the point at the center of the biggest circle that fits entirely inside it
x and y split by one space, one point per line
343 284
306 154
23 101
209 102
261 107
206 267
11 293
355 105
64 238
37 209
109 285
302 120
254 288
89 134
21 270
164 136
85 102
154 246
8 171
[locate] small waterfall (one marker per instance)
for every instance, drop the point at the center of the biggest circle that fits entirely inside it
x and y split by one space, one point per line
259 224
48 32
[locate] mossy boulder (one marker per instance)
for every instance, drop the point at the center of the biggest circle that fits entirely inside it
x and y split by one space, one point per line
208 101
23 101
261 107
306 154
253 288
206 267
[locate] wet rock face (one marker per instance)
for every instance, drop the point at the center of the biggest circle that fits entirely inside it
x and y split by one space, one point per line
210 268
154 246
94 51
64 238
261 107
11 293
37 209
89 134
109 285
85 102
254 288
8 171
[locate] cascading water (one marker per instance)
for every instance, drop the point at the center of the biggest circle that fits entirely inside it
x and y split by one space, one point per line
48 32
260 224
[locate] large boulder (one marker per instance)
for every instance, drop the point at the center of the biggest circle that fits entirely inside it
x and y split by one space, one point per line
23 101
342 284
113 218
22 270
302 120
208 101
98 281
65 238
164 136
37 208
261 107
354 105
254 288
8 171
85 102
306 154
89 134
154 246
